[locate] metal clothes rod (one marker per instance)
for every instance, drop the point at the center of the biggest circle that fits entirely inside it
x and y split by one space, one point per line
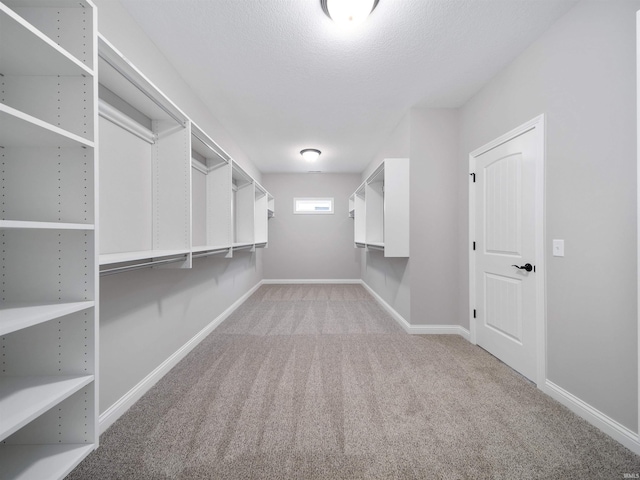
208 254
138 266
146 94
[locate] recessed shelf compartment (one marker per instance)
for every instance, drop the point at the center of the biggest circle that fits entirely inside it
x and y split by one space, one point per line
19 129
16 316
23 399
29 462
45 57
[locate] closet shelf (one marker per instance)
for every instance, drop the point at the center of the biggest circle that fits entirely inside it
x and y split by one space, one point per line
16 316
26 462
240 246
45 56
21 225
18 129
23 399
111 258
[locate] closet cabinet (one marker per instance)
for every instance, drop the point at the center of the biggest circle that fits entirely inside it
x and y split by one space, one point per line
380 209
48 298
145 168
210 196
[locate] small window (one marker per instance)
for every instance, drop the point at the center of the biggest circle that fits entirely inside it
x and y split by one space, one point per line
313 206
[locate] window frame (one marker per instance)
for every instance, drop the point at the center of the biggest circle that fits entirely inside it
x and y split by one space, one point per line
313 212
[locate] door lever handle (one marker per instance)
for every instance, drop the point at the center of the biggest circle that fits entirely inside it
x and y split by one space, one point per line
527 266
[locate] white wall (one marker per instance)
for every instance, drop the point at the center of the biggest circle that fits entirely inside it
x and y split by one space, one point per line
311 246
146 315
581 75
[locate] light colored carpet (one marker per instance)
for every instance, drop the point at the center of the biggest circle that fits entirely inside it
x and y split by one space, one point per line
318 382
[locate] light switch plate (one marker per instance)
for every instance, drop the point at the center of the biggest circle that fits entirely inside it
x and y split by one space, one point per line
558 248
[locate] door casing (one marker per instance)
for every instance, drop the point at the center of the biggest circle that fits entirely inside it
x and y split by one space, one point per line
537 124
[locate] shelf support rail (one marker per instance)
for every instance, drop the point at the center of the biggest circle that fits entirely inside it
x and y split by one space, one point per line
153 263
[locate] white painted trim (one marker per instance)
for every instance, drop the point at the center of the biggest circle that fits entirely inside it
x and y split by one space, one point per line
595 417
309 281
539 124
638 193
417 329
115 411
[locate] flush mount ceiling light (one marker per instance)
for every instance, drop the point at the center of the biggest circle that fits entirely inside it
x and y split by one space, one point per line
348 12
310 154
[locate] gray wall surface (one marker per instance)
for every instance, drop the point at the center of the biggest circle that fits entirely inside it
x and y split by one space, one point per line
581 75
435 294
311 246
390 277
146 315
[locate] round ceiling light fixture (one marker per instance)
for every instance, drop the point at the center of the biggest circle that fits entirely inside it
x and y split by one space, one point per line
310 154
348 12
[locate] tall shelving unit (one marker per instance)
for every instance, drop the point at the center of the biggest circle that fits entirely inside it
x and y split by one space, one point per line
261 216
243 188
210 196
145 170
380 209
49 296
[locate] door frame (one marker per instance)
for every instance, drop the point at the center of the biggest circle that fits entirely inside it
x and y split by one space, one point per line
538 125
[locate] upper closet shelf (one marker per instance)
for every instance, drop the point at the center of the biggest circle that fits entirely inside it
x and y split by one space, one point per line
16 316
45 57
18 129
121 77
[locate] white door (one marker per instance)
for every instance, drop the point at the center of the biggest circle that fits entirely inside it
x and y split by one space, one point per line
505 251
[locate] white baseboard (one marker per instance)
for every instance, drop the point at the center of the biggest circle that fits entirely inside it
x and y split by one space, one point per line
595 417
417 329
115 411
305 281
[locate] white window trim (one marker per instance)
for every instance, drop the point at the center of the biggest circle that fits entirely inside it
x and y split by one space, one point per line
319 212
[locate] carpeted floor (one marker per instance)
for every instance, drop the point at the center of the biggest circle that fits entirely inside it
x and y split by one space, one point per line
318 382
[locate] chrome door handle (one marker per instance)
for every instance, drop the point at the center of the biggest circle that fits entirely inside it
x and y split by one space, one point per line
527 266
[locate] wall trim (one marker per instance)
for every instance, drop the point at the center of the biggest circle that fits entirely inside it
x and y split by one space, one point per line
417 329
305 281
595 417
115 411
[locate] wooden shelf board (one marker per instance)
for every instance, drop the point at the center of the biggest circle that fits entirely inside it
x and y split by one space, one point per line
45 56
243 245
27 462
16 316
111 258
20 225
23 399
19 129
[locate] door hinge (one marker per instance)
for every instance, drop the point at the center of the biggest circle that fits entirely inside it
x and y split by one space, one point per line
474 246
473 175
474 313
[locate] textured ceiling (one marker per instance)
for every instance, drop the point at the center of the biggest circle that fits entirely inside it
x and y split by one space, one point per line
280 76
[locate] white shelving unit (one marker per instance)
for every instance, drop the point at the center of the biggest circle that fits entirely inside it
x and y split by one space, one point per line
145 169
380 208
210 196
243 188
271 206
49 296
261 216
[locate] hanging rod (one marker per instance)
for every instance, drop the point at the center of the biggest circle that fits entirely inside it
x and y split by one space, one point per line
144 92
112 271
208 254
